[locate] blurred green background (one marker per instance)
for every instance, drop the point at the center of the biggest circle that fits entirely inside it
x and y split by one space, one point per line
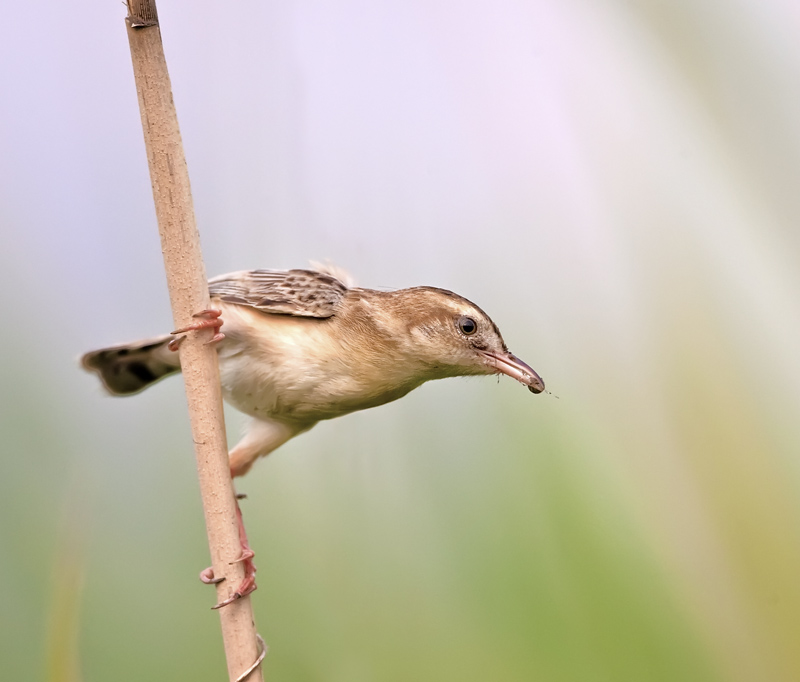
615 182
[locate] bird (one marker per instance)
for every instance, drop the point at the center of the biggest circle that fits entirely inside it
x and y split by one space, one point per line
303 346
300 346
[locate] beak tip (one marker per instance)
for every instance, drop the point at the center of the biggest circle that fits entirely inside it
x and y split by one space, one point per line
537 387
511 365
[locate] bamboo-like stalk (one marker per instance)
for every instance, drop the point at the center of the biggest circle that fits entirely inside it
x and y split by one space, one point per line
188 290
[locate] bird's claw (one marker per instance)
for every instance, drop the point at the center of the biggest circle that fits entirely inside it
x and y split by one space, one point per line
211 320
248 583
207 577
247 554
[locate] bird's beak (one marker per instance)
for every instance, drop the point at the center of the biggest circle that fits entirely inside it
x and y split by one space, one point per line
507 363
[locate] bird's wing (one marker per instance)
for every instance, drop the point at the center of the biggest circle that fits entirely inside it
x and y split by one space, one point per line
304 293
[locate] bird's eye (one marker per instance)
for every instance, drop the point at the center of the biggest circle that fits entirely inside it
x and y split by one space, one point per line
467 325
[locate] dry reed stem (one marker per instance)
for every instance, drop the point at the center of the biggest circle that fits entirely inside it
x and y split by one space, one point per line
188 290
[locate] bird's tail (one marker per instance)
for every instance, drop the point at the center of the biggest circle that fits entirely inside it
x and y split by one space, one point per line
132 367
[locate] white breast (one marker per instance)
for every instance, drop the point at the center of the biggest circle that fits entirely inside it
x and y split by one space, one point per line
297 369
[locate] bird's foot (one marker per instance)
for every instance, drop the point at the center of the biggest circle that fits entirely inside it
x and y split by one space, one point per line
210 320
248 583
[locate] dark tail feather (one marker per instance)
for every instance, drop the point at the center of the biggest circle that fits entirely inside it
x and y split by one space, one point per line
131 368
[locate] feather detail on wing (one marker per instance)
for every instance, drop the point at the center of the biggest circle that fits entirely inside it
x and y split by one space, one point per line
304 293
335 271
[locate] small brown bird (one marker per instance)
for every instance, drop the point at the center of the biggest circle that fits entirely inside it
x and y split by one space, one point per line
300 346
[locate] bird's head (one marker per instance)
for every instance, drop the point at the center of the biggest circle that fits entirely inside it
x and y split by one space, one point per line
451 336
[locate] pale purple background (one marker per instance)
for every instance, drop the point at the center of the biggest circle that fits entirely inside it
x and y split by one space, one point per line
615 182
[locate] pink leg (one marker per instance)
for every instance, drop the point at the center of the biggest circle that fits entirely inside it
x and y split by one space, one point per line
248 583
211 320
